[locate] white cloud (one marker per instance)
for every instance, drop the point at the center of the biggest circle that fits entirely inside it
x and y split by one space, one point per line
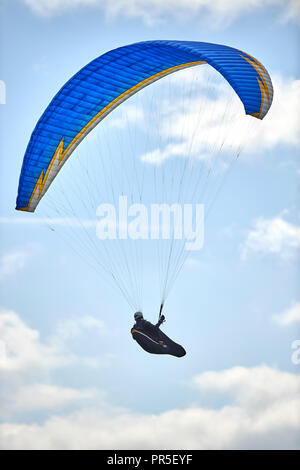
2 92
220 12
50 222
259 405
39 397
11 263
193 263
53 7
262 413
26 363
282 123
289 316
24 349
293 11
212 120
15 260
127 114
72 328
254 388
272 236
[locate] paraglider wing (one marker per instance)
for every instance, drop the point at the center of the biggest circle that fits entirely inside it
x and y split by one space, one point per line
106 82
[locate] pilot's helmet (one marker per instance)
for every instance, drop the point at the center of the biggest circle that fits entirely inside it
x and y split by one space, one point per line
138 316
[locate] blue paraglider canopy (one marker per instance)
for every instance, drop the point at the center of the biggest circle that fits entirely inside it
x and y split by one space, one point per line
106 82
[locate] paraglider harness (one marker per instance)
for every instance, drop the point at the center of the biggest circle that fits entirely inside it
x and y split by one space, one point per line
153 340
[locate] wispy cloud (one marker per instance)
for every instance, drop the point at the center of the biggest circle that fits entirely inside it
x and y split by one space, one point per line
193 263
127 114
15 260
212 120
50 222
272 236
2 92
260 411
72 328
40 397
220 12
289 316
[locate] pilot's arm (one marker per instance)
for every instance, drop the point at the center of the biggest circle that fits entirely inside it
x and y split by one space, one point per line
160 321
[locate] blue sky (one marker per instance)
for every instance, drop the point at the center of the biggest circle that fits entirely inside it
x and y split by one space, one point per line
72 376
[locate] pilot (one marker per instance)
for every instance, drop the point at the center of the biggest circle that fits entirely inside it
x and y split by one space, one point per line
147 326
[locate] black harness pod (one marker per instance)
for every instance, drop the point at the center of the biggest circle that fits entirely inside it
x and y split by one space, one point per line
154 341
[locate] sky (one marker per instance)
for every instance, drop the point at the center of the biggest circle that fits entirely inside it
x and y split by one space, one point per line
71 375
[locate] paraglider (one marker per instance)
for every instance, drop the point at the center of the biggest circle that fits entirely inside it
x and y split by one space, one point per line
152 339
87 99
